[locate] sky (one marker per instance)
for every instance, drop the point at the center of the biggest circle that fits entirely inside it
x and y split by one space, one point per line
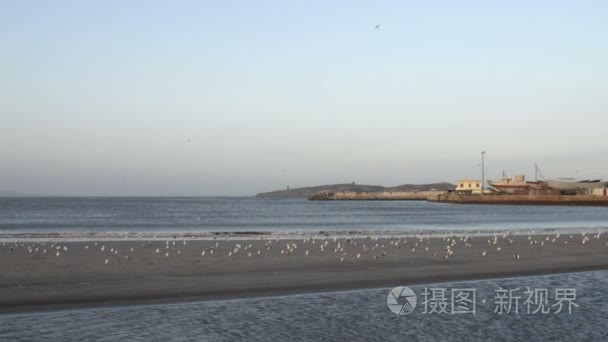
207 98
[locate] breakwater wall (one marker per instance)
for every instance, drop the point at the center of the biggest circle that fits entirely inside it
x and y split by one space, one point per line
376 196
445 197
587 200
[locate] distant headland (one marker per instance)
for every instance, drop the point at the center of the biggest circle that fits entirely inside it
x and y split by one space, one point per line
352 187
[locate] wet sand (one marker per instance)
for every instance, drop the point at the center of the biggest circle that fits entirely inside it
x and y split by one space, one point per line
80 276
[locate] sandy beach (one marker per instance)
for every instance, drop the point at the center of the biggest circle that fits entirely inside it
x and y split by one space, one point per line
40 276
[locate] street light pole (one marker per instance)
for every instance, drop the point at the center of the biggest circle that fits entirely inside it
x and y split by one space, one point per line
483 173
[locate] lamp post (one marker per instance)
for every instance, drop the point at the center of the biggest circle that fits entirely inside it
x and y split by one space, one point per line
483 173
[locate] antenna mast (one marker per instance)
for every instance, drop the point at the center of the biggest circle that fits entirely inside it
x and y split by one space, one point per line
483 173
537 172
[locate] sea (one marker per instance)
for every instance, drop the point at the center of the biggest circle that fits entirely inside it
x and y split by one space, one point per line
242 214
362 315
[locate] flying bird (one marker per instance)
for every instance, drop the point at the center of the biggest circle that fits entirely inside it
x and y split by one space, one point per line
377 26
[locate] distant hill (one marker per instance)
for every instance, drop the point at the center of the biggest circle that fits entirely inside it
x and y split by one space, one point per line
309 191
444 186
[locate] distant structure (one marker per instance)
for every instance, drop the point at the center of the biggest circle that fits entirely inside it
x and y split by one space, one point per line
514 185
483 172
288 188
468 186
517 185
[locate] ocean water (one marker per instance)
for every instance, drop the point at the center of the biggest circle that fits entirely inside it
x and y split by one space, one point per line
340 316
18 215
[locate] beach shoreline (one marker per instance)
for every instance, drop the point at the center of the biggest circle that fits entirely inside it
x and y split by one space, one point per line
235 235
80 277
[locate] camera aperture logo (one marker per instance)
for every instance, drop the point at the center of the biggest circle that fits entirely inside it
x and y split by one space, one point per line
401 300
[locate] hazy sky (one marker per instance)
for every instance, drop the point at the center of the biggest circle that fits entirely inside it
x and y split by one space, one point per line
101 97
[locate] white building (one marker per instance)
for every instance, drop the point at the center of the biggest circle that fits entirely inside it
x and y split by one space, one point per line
469 186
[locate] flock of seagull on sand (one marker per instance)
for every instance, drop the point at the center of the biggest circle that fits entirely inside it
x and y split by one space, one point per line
370 246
